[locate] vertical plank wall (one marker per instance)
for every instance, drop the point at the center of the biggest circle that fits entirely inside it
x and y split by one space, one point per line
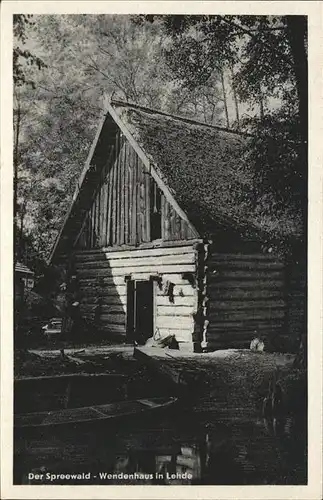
120 211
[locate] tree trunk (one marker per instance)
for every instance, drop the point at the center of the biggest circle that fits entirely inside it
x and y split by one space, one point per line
15 180
22 214
225 99
235 98
261 105
296 30
16 157
261 108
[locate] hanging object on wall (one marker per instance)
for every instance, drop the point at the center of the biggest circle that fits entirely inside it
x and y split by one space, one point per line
158 279
169 290
190 278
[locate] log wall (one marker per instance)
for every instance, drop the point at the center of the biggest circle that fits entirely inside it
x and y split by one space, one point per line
120 210
245 298
102 275
296 297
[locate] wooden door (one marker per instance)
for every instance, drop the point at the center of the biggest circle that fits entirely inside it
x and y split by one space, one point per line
140 310
144 310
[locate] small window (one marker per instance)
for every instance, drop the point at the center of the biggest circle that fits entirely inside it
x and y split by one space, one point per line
155 211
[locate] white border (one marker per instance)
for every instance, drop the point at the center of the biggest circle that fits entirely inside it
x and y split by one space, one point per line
313 490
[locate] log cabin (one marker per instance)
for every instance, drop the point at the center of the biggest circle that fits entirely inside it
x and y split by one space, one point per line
161 235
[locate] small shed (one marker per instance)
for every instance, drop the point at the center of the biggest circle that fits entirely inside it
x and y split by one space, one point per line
24 278
23 282
161 235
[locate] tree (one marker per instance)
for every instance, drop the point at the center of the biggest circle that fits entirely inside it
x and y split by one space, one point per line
21 55
22 60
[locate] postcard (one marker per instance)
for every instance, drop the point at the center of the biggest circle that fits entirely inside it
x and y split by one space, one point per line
161 250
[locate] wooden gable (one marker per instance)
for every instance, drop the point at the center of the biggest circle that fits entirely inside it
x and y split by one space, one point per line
127 204
117 195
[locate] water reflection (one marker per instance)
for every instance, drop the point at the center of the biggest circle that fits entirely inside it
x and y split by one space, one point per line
185 450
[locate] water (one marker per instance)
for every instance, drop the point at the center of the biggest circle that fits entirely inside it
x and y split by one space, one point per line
181 448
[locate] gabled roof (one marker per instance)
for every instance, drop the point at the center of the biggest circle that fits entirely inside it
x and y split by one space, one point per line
199 166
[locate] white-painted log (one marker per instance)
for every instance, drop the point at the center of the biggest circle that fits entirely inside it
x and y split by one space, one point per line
123 271
179 291
175 323
187 301
176 259
175 311
103 254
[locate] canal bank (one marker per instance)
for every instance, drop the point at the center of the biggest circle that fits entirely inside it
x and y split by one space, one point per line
232 381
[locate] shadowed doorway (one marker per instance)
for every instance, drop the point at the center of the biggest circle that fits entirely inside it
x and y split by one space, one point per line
140 310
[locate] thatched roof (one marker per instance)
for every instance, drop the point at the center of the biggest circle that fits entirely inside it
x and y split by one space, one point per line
202 165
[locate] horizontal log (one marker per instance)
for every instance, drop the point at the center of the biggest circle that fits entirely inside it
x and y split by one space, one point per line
92 282
104 290
213 264
119 280
263 284
175 323
105 309
113 319
296 314
179 290
251 304
117 294
245 275
175 310
239 326
241 256
245 331
175 278
115 329
250 322
189 301
120 309
224 344
133 252
184 291
228 341
123 271
296 294
112 263
245 295
245 315
110 300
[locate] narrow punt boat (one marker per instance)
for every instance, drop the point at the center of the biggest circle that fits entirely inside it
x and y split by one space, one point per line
91 414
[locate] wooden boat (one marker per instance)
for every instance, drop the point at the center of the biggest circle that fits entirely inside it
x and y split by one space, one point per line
55 392
91 414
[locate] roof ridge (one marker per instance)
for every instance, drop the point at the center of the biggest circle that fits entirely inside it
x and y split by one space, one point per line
177 117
